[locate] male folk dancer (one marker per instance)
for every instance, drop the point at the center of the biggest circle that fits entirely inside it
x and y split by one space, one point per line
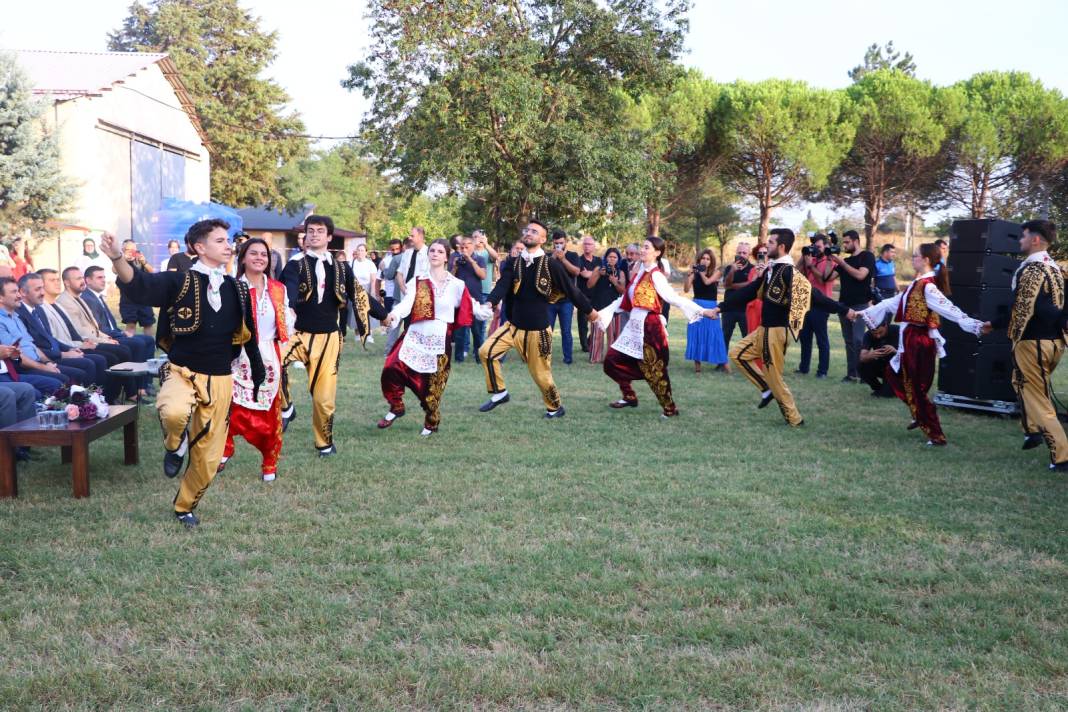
527 285
1036 327
319 289
257 417
206 320
420 359
785 299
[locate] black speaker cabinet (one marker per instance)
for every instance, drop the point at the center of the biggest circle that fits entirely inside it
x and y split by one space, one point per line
995 236
979 371
978 269
984 303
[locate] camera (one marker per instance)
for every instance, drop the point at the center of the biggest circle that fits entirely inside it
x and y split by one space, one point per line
461 260
699 269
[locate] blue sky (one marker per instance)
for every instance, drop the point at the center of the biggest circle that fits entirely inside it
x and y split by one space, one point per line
816 41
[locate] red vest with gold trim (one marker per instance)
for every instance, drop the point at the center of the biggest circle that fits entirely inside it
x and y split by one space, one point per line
645 296
423 306
913 309
276 291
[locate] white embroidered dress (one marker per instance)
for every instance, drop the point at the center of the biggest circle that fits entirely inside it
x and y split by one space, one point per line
631 340
936 301
266 331
425 340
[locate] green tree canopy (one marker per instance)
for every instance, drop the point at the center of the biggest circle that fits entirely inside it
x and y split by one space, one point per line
340 183
518 101
1013 134
780 140
671 126
902 125
222 53
876 58
33 188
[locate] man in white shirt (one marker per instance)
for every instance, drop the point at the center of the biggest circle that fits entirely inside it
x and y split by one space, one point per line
414 262
407 270
364 272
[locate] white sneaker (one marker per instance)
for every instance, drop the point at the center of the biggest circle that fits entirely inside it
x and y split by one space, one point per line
268 476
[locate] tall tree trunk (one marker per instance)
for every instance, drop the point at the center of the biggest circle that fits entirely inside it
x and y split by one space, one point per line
873 209
765 222
652 219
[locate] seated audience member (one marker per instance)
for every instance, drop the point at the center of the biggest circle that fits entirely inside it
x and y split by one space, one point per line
142 346
878 347
27 365
81 367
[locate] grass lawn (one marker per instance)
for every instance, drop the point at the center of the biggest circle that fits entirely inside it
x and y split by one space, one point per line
719 560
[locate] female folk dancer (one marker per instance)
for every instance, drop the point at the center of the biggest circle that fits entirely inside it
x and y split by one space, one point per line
257 417
911 370
419 360
641 351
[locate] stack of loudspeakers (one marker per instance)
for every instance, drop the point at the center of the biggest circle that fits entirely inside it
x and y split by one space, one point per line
976 373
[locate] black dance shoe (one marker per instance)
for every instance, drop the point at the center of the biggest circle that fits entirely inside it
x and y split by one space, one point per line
1032 440
1059 467
765 400
287 419
491 404
188 519
328 451
172 464
558 413
624 403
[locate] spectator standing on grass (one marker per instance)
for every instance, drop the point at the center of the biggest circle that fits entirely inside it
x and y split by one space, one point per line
589 263
735 276
704 337
819 268
364 272
134 315
606 284
470 269
563 309
885 272
855 273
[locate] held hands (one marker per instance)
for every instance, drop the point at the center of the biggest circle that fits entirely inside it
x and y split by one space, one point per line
593 316
388 321
852 315
986 328
712 313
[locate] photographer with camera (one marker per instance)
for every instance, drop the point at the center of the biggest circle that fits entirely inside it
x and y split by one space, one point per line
704 338
469 268
606 284
855 272
589 264
816 264
564 309
735 276
880 345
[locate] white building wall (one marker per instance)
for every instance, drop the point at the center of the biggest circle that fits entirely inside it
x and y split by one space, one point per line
98 157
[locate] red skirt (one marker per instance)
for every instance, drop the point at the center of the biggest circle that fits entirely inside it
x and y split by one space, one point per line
427 387
912 382
653 369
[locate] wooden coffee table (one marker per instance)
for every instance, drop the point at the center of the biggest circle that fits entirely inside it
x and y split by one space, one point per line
74 443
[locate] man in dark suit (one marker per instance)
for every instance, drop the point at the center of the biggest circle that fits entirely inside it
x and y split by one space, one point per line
82 368
142 346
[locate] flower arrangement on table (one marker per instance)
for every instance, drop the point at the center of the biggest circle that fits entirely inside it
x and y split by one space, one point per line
78 403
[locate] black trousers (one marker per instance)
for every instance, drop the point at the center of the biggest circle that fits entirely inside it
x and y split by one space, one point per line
874 374
731 319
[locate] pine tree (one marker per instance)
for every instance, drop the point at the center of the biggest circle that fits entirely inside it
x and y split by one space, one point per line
33 188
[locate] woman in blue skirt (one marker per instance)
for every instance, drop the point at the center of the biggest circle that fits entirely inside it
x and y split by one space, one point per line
704 338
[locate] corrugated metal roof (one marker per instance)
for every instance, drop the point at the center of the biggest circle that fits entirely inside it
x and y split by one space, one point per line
66 75
264 218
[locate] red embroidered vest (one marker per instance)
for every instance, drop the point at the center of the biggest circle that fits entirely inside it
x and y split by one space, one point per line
277 293
423 306
645 296
913 309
